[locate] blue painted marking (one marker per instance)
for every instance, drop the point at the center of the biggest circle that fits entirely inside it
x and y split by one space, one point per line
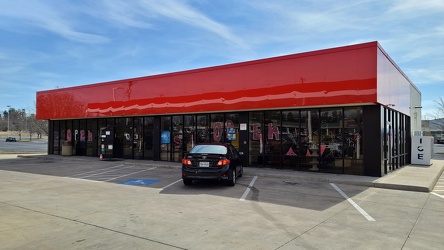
138 182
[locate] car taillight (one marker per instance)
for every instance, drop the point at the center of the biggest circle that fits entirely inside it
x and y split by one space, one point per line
223 162
187 162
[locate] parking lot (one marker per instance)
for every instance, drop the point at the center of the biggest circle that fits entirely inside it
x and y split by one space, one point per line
82 202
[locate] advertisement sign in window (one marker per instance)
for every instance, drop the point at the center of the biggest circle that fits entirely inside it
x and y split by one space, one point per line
165 137
231 134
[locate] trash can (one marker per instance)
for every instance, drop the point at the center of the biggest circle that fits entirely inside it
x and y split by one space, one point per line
67 148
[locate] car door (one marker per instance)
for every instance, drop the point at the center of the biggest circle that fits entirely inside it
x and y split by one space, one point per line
235 158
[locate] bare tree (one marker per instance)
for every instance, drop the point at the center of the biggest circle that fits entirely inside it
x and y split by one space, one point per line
438 115
40 127
4 121
23 121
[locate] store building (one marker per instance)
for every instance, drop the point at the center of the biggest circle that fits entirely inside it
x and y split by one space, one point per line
341 110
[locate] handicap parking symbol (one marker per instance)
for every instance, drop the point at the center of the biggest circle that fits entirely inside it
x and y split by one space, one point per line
138 182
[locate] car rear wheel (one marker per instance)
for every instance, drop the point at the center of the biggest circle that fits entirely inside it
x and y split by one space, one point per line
232 180
187 182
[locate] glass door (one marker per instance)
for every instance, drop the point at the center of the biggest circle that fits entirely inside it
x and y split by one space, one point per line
123 138
106 143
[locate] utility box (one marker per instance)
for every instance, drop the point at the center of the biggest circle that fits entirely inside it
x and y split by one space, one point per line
422 150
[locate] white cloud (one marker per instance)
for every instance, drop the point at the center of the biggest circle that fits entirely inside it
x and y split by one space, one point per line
46 17
179 11
426 76
143 13
121 13
415 6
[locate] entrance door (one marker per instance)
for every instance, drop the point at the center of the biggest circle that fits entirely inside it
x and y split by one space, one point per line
123 138
123 144
107 142
115 142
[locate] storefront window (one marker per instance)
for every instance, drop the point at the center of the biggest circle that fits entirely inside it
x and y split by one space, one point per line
272 138
309 144
75 137
352 141
68 132
403 140
177 140
290 139
90 135
81 144
330 151
62 132
203 129
165 138
56 137
256 144
325 140
189 134
217 127
148 131
232 129
138 138
396 144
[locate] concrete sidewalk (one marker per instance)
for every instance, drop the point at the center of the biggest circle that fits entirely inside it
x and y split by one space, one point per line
410 178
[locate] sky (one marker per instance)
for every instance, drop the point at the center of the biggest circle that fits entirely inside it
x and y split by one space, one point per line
49 44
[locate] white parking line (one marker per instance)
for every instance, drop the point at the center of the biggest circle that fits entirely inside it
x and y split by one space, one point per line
97 170
248 189
365 214
130 174
103 173
441 196
167 186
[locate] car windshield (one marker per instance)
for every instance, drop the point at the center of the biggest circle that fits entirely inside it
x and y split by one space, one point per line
209 149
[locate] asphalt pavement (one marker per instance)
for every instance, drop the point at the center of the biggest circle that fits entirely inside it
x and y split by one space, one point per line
53 212
419 178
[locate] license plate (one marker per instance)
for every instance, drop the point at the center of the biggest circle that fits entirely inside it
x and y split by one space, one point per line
204 164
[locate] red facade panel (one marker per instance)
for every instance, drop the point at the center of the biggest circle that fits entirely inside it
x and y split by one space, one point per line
339 76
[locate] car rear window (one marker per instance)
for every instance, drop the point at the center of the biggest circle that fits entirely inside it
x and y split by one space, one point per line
209 149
